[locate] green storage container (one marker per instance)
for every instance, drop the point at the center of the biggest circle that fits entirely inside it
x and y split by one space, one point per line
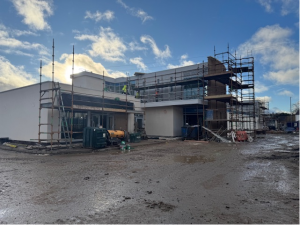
99 138
94 137
135 137
87 137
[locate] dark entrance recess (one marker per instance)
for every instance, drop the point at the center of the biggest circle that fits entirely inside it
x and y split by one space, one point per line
190 115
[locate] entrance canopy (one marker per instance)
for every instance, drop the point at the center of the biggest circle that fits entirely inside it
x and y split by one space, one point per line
173 103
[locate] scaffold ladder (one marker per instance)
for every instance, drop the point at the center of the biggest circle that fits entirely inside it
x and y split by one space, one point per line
64 120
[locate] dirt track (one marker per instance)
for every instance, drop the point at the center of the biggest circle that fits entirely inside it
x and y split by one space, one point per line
172 182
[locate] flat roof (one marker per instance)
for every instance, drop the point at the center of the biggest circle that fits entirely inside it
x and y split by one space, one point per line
119 79
27 86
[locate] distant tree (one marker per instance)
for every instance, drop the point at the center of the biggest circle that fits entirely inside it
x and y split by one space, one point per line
295 108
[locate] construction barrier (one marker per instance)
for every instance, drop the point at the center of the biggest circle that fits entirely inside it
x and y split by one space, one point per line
241 136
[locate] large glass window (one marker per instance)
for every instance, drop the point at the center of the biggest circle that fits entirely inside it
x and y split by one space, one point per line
109 86
131 87
79 123
117 87
192 91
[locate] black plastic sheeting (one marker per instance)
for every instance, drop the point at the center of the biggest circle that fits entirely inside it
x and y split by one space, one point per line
95 102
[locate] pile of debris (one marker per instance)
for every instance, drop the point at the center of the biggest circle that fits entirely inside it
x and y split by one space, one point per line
238 136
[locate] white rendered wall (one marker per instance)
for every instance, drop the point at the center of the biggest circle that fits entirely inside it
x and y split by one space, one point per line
19 110
88 82
19 113
163 121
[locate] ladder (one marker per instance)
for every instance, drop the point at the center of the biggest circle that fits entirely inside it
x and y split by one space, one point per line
64 120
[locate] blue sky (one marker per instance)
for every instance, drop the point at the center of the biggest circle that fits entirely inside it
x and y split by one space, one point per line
121 37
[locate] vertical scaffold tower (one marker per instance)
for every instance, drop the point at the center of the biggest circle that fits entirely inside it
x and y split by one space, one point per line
230 93
50 98
47 99
249 112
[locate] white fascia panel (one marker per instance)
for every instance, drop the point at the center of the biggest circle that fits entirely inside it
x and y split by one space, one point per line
175 102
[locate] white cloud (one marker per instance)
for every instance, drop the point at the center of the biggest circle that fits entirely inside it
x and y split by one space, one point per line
63 67
286 6
273 47
289 6
277 110
136 12
264 98
183 62
183 57
12 45
146 39
143 15
16 52
106 45
97 16
259 87
289 76
266 4
6 31
138 61
115 73
134 46
123 4
286 93
13 76
34 12
76 31
23 32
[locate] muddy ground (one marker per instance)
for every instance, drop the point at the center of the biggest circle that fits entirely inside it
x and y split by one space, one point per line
170 182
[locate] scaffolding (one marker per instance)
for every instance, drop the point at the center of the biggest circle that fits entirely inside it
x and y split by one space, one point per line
225 83
170 85
49 99
174 86
103 101
230 93
221 90
262 113
63 101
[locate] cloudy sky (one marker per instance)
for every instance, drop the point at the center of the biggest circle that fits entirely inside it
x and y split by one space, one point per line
120 37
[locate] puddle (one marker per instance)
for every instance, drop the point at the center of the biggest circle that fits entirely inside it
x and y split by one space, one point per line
115 153
42 154
192 159
2 212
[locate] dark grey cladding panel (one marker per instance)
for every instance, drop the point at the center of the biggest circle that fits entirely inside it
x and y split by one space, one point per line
95 101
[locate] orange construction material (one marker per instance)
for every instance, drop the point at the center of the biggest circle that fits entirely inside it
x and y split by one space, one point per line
116 133
241 136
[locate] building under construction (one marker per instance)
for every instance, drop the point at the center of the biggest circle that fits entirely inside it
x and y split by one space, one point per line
217 94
